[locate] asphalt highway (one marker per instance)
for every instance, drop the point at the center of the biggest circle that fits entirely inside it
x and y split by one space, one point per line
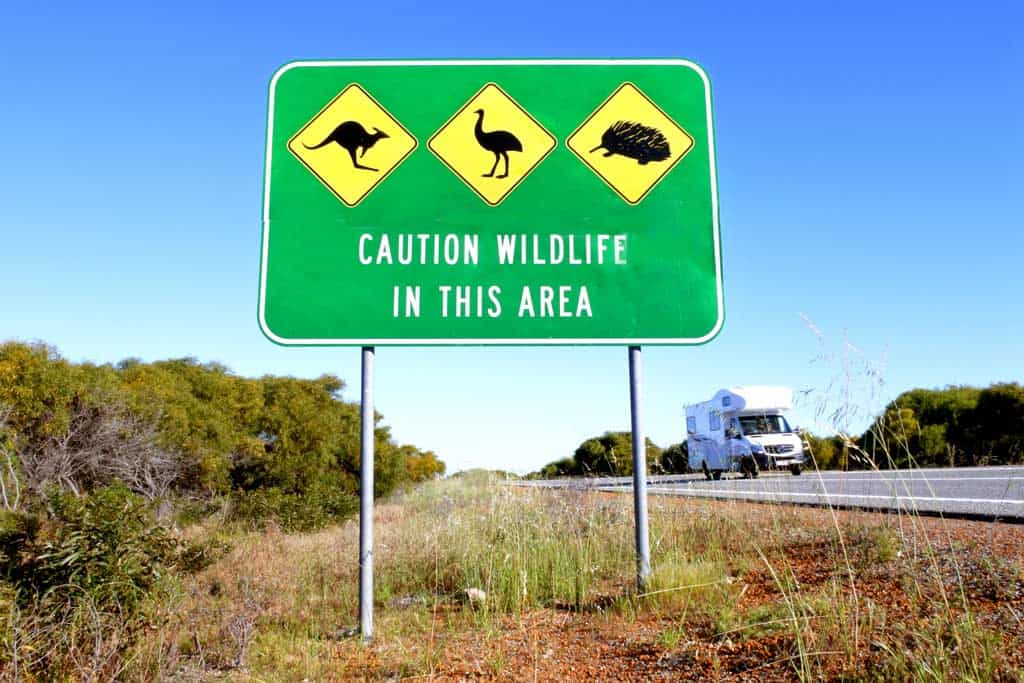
989 492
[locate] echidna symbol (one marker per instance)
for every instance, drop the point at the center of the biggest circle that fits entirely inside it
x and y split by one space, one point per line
634 140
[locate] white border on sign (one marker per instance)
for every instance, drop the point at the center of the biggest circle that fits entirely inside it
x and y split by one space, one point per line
487 341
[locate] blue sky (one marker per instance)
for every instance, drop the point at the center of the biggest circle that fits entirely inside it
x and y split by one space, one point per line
870 174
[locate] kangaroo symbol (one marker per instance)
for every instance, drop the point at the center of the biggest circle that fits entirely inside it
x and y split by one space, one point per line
352 136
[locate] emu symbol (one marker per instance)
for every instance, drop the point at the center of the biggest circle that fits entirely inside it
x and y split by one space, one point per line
498 142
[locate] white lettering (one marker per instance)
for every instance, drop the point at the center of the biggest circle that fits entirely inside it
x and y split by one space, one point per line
444 289
471 249
563 302
384 250
412 302
584 303
620 250
462 302
405 249
494 310
556 249
602 246
574 260
506 249
526 303
422 237
453 247
537 260
547 297
545 307
363 258
451 250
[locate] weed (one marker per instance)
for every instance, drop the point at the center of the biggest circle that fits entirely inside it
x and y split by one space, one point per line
725 580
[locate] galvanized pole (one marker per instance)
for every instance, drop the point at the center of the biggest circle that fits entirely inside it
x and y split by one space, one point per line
643 553
366 499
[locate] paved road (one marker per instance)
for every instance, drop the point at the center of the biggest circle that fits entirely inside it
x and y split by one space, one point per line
977 491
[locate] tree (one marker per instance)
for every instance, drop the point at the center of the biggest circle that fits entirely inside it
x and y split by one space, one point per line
102 445
422 465
609 454
941 415
823 449
566 467
934 447
675 459
202 412
954 426
996 425
40 389
181 423
892 440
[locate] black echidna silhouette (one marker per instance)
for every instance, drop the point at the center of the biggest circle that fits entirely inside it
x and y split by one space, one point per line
636 141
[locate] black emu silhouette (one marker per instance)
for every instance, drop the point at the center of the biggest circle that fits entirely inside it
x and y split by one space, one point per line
635 141
352 136
498 142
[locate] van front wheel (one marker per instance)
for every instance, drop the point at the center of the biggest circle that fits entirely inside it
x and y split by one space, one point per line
796 470
748 467
704 468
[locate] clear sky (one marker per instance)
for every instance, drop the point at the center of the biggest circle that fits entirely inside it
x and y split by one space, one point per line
870 175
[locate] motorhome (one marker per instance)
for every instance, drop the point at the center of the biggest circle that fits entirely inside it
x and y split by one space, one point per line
743 429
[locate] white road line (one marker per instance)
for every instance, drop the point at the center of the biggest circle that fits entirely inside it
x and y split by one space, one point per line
718 492
904 479
986 481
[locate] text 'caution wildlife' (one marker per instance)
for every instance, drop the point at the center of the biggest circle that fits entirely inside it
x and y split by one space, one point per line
630 143
491 143
352 144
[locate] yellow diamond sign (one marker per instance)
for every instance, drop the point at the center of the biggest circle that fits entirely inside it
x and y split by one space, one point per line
630 143
352 144
491 143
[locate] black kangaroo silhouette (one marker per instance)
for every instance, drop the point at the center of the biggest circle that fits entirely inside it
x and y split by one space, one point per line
352 136
498 142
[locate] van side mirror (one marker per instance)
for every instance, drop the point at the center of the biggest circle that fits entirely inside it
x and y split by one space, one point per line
731 433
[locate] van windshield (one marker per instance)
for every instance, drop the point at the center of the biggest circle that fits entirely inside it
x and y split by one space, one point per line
764 424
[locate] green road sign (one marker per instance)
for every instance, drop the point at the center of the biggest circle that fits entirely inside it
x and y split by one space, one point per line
490 202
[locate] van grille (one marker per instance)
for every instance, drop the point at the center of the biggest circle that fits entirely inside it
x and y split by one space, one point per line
784 448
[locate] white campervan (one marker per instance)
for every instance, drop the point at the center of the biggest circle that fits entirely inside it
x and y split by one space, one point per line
743 430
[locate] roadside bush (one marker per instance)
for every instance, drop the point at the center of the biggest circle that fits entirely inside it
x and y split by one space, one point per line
108 544
80 579
180 428
317 506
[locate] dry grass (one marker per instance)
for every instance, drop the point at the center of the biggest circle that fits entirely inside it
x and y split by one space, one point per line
738 591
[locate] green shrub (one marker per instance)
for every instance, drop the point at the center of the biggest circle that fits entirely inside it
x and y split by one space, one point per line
108 544
313 508
96 569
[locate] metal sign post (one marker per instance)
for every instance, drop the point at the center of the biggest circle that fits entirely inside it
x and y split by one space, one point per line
366 499
643 553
